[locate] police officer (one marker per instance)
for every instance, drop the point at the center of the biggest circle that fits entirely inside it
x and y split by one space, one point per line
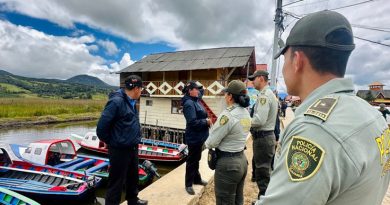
119 128
228 136
330 153
262 129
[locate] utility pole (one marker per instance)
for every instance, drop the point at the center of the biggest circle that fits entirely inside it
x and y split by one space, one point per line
278 26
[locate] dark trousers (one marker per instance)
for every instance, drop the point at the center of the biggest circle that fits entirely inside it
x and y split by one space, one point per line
192 165
254 166
283 112
229 178
263 152
123 171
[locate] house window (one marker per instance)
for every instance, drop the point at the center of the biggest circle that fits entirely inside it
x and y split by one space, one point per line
149 102
176 108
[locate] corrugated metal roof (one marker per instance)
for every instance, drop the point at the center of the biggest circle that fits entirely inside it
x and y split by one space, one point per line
193 60
374 93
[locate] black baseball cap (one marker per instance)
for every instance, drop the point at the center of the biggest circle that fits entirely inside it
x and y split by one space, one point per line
313 29
192 85
133 81
258 73
236 87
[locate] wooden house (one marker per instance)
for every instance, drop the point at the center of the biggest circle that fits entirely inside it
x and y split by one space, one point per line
375 94
165 74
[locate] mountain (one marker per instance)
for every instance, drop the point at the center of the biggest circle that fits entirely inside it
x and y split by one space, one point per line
80 87
89 80
3 72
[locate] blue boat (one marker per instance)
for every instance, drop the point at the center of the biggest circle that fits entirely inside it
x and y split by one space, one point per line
43 182
9 197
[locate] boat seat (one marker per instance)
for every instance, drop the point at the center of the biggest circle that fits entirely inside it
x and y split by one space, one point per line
53 158
70 163
81 164
97 167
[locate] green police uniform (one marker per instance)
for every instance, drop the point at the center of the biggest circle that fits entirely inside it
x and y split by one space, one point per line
262 129
228 135
266 109
335 151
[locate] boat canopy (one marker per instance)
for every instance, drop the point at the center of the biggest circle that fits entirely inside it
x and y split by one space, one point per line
45 150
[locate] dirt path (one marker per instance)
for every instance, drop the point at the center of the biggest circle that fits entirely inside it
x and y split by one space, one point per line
386 200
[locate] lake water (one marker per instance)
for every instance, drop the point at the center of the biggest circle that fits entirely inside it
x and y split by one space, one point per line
62 131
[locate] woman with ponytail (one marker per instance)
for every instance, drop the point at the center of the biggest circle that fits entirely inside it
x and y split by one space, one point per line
228 136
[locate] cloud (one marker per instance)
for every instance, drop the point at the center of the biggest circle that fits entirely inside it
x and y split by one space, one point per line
108 73
28 52
93 48
109 46
125 61
182 24
218 23
368 62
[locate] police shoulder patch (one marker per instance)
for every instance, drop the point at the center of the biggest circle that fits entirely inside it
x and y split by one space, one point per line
304 158
263 101
322 108
224 119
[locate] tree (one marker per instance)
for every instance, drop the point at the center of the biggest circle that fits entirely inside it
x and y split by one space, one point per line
369 97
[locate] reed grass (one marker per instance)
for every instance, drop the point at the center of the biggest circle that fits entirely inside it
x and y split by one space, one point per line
36 107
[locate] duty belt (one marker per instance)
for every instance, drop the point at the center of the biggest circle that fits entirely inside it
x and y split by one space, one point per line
260 133
221 154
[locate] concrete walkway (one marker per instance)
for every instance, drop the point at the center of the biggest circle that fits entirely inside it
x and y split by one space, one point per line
169 190
386 200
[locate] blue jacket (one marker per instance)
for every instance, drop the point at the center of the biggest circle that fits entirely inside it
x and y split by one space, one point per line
197 129
119 125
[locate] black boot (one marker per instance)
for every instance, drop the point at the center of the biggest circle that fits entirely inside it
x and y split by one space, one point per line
190 190
201 182
142 202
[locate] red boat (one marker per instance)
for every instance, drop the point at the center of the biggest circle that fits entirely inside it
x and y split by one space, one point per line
44 182
148 149
61 153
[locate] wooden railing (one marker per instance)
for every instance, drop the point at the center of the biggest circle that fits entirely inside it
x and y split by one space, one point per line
211 88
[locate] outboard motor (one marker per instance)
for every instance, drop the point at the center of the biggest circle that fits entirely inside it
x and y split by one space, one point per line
183 149
149 166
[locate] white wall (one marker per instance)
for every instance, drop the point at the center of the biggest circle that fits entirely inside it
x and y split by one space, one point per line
216 104
161 111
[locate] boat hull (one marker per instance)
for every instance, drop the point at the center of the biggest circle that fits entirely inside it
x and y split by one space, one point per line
14 198
141 155
46 183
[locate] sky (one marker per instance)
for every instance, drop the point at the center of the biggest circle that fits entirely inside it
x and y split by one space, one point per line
61 39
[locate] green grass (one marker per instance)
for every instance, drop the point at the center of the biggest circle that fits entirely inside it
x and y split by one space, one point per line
20 80
13 88
100 97
39 107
